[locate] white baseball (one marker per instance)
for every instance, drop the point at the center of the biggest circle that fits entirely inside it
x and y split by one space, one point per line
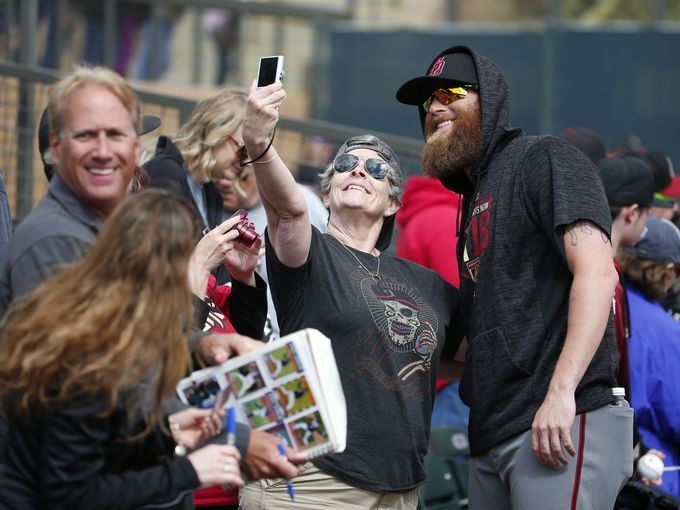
650 466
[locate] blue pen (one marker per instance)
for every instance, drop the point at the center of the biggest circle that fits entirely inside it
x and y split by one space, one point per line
291 490
230 425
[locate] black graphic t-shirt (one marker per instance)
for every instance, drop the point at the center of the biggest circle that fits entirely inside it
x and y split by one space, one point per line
387 337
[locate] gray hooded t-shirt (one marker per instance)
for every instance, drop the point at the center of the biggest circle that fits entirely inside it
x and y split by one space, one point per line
515 282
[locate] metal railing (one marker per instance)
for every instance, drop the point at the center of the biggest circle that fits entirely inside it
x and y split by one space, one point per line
270 26
23 96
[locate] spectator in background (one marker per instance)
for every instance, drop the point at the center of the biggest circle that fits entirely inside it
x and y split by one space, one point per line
654 344
5 218
666 205
224 26
208 145
629 186
537 280
207 164
155 41
427 221
130 16
88 360
662 170
49 9
672 193
214 250
628 144
587 141
96 119
183 165
427 224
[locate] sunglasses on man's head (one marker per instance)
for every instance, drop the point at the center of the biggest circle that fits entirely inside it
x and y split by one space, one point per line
241 151
376 167
447 96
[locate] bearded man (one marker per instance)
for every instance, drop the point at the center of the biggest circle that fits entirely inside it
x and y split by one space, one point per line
537 281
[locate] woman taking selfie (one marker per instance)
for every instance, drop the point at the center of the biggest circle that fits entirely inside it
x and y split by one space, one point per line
389 319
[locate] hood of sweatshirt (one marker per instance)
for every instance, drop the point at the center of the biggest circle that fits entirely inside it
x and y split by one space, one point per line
495 123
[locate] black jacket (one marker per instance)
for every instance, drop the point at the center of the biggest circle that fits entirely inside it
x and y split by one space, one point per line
167 171
71 458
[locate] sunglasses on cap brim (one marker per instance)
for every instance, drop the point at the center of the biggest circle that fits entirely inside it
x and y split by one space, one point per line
376 167
448 96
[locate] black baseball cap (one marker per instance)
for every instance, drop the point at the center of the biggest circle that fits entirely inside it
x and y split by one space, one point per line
662 170
659 242
627 181
149 123
452 67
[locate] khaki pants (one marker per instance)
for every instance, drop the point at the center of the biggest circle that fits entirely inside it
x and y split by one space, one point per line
315 489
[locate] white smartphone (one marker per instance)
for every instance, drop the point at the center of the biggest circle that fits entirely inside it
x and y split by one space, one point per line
270 71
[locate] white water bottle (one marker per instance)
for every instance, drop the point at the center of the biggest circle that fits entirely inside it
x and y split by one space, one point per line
619 395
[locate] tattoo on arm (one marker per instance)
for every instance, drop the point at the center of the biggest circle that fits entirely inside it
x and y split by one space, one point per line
605 238
572 234
586 229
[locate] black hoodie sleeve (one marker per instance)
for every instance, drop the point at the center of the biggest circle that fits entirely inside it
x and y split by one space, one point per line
80 448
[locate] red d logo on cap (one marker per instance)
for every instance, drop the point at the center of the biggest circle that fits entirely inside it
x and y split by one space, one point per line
437 67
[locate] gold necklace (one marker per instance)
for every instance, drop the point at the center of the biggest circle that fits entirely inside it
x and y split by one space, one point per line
374 276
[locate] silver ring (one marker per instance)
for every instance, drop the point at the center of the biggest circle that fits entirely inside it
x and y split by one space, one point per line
227 468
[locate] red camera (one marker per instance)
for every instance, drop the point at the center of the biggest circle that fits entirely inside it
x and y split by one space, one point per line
245 229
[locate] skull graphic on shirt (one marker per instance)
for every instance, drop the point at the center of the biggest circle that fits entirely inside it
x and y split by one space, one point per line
402 320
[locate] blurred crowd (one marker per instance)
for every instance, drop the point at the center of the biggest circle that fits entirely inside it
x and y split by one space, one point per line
495 315
143 34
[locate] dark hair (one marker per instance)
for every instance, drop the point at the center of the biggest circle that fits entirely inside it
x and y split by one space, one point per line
649 277
105 324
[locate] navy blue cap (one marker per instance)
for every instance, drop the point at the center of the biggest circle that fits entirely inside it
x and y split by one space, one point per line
660 242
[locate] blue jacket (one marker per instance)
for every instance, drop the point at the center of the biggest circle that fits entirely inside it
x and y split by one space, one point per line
654 354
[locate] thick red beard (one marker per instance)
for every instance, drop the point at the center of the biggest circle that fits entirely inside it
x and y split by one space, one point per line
455 150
